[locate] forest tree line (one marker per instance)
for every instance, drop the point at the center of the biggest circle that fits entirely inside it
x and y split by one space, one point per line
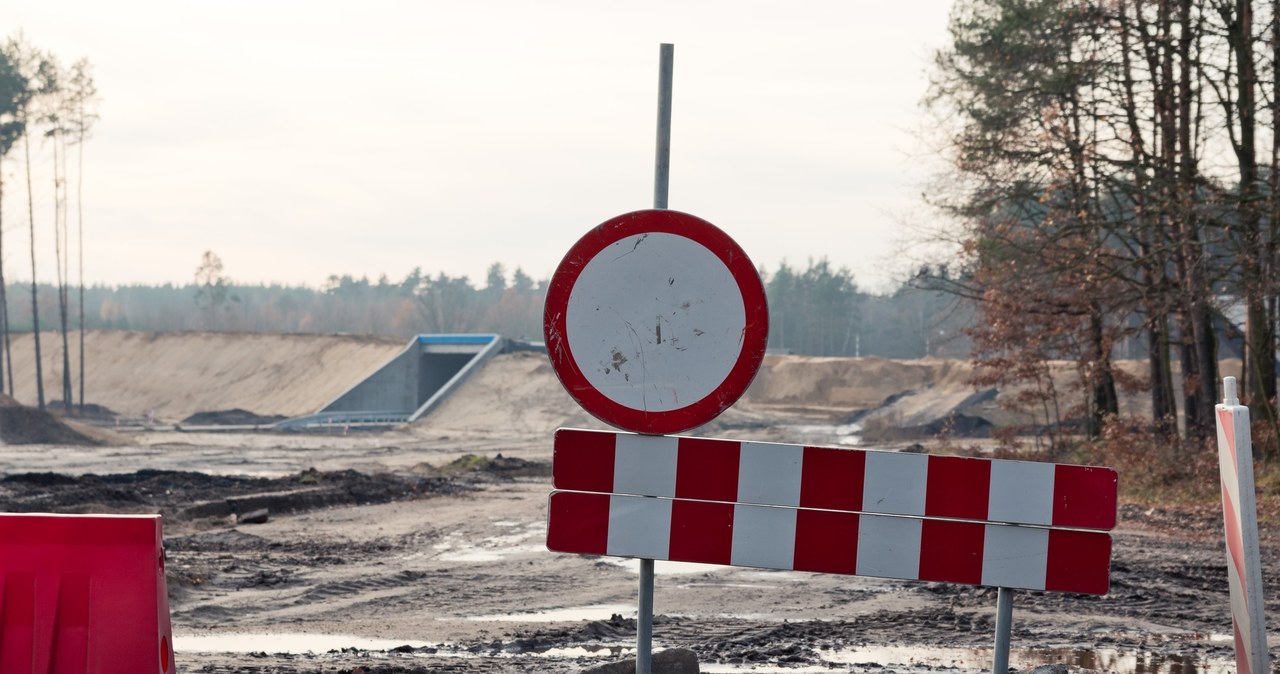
815 310
1115 173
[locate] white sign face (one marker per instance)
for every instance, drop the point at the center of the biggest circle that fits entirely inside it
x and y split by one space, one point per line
655 322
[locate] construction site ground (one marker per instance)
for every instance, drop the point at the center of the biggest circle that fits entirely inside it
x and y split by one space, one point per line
420 549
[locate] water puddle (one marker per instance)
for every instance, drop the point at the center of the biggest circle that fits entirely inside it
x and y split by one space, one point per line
784 576
294 643
661 568
575 613
524 539
979 659
840 435
871 658
321 644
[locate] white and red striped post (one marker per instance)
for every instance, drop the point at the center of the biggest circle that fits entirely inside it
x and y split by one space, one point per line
1240 514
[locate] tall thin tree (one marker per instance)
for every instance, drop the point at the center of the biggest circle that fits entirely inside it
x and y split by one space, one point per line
35 68
13 91
53 116
82 96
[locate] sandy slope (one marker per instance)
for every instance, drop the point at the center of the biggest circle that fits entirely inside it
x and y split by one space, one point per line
179 374
518 394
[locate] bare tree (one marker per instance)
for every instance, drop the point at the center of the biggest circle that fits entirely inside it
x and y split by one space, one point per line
13 92
35 68
81 97
54 116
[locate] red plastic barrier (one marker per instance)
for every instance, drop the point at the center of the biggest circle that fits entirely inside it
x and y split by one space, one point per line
83 594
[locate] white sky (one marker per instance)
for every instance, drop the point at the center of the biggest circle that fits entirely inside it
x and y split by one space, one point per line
306 138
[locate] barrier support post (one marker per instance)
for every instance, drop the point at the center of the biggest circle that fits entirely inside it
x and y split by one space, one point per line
1004 627
644 620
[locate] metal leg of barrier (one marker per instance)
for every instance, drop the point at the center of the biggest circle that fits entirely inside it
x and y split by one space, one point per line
644 621
1004 625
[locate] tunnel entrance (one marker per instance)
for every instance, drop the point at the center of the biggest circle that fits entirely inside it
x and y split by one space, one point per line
409 385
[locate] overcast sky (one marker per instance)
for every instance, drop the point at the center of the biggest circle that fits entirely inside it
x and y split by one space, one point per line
307 138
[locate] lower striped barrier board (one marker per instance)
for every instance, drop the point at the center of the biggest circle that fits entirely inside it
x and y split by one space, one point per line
827 541
833 510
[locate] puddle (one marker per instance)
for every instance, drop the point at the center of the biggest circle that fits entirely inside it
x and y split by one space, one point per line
766 669
661 568
295 643
459 548
714 585
597 612
1109 660
1105 660
907 659
841 435
786 576
589 651
487 555
320 644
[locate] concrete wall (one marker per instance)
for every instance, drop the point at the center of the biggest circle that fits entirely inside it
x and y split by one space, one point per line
409 380
393 388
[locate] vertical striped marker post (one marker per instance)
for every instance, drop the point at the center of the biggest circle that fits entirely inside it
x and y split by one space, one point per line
1239 508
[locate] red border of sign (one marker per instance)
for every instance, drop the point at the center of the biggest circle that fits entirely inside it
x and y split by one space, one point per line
755 335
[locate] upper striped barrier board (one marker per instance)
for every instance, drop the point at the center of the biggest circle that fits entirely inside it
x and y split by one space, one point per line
1012 524
857 480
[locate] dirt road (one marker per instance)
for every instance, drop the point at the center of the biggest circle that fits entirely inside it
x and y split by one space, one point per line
394 553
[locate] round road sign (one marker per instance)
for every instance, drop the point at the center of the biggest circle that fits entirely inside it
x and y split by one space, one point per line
656 321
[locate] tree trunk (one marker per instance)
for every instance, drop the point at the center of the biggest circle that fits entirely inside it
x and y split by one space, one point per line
35 304
1103 397
1260 362
1163 408
80 248
60 256
4 309
1206 341
1192 410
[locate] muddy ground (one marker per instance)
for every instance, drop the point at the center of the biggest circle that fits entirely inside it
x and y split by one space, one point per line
401 553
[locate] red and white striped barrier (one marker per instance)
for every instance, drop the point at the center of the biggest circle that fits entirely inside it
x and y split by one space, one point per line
890 483
858 512
827 541
1240 515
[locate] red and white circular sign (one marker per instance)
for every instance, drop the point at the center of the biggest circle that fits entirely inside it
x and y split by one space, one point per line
656 321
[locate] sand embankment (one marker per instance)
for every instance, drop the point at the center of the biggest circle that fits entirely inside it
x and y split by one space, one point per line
176 375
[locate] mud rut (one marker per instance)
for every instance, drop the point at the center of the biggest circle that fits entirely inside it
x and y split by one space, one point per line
418 557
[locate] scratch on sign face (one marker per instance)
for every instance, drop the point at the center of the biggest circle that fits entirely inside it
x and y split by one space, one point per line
633 248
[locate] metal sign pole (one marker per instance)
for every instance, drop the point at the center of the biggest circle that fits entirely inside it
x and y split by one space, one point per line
662 163
661 185
1004 626
644 620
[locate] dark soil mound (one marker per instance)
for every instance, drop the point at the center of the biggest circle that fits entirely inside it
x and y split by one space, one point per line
498 466
90 412
232 417
26 426
185 495
953 426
